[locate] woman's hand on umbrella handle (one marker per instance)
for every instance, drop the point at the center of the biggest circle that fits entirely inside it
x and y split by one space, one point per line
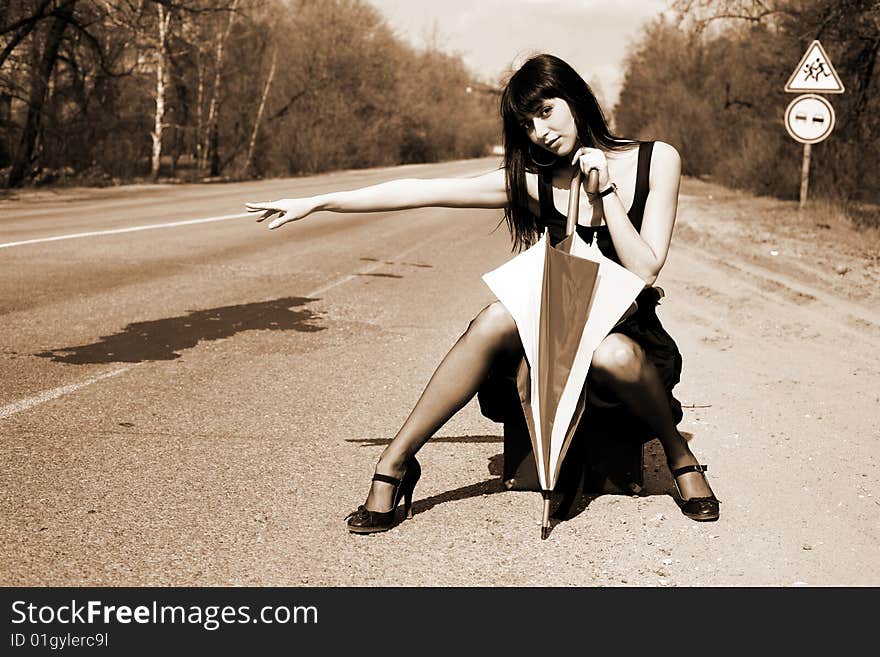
287 209
592 158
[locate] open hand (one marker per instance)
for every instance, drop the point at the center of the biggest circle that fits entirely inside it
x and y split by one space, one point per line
287 209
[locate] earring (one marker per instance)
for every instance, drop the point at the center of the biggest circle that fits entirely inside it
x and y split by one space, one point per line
540 164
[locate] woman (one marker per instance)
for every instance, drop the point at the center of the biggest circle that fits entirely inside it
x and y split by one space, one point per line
552 124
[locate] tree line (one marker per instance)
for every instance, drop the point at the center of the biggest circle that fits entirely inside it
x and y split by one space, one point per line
96 91
711 81
99 91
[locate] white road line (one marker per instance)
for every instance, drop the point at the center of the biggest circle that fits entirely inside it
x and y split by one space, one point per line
132 229
48 395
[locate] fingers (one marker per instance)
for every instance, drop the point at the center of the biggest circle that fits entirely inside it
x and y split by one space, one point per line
280 212
280 221
266 215
265 207
262 207
585 153
590 158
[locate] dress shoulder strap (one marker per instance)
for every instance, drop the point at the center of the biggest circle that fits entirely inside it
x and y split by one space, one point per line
643 173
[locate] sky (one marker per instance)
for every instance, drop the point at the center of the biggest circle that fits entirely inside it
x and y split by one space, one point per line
492 36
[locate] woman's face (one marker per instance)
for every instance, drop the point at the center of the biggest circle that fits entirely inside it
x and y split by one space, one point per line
552 127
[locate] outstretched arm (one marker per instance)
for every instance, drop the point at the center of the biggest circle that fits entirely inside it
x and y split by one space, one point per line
484 191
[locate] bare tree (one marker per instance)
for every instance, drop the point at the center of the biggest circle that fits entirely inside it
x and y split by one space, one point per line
164 16
259 118
22 159
209 150
103 90
20 27
712 84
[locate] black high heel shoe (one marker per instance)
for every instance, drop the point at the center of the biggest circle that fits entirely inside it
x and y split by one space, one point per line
702 509
364 521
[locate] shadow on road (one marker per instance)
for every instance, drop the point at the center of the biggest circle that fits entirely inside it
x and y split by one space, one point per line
162 339
568 502
407 264
377 442
479 489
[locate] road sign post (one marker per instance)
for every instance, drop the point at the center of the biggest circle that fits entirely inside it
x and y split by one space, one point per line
805 176
809 118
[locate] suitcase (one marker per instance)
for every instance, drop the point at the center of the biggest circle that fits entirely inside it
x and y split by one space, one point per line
598 460
606 454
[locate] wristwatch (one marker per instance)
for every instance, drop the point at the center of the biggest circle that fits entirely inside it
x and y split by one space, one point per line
608 190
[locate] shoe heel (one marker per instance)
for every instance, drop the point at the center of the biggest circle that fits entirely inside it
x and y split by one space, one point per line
414 473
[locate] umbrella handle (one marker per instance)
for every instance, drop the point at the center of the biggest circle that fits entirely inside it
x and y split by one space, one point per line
574 196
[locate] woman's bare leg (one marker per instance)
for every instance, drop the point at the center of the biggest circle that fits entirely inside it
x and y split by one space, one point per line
620 366
491 335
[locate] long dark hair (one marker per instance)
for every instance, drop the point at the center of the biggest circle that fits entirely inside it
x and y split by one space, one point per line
542 77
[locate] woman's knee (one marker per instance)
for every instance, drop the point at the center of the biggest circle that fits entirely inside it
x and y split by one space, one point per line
618 358
496 324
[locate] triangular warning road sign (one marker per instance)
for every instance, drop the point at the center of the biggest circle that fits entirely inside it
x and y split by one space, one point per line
815 73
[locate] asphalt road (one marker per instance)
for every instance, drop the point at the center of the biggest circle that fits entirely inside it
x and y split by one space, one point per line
202 404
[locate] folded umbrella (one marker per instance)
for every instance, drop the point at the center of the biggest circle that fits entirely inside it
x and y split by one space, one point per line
565 299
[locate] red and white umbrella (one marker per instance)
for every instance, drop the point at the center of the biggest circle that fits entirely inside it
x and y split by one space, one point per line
565 299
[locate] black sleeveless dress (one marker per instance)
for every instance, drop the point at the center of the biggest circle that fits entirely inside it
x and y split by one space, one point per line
498 396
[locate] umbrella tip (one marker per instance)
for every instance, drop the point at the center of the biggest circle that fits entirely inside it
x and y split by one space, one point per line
545 532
